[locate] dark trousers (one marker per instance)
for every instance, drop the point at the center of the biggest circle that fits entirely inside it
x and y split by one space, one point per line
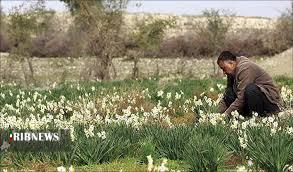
254 101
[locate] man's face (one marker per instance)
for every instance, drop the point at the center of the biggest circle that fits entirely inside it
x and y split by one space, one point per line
228 67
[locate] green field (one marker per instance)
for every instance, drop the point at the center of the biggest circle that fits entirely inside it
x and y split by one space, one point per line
116 126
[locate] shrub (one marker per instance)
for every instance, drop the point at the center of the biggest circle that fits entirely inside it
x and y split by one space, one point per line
50 45
128 133
98 150
270 152
281 38
205 153
247 43
147 147
4 39
150 34
172 47
4 43
226 135
188 45
169 142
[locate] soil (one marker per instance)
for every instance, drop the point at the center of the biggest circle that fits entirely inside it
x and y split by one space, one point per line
280 64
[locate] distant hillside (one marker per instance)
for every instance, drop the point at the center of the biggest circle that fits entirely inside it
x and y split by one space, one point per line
184 23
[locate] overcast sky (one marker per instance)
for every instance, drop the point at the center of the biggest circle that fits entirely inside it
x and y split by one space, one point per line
241 8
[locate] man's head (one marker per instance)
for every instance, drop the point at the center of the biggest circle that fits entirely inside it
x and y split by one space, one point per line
227 62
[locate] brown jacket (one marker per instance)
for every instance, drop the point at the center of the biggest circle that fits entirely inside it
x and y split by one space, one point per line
248 72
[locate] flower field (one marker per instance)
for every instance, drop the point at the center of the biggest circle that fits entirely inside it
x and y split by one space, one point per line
147 125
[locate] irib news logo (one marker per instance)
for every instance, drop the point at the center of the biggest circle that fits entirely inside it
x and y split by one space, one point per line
28 136
34 140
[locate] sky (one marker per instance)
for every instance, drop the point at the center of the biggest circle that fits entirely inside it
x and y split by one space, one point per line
188 7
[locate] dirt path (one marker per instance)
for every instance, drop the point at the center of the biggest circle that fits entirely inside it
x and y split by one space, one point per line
280 64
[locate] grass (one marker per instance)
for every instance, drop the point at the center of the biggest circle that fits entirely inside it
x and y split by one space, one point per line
189 86
271 152
204 147
124 164
283 80
188 145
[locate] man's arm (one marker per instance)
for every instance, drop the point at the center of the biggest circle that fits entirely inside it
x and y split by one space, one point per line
222 106
245 77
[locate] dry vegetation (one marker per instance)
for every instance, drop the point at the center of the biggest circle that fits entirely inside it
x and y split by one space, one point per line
246 36
106 33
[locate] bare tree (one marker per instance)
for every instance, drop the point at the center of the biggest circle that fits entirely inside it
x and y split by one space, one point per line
23 25
101 21
147 36
215 28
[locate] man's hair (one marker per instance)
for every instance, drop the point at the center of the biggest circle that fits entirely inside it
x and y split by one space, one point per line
226 55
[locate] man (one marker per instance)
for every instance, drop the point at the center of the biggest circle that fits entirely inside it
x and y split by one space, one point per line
249 87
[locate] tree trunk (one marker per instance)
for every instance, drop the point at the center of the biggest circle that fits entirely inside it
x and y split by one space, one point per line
135 68
28 74
103 69
114 69
31 69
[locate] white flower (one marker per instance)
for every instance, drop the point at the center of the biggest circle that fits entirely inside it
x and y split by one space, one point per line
221 86
160 93
150 163
71 169
249 163
198 103
241 169
234 124
244 125
169 95
169 104
290 130
273 131
177 96
202 94
281 114
212 89
102 135
242 144
89 132
255 114
275 124
72 136
54 85
61 169
209 101
243 140
156 168
252 122
201 112
235 114
163 168
271 119
213 121
290 168
127 112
